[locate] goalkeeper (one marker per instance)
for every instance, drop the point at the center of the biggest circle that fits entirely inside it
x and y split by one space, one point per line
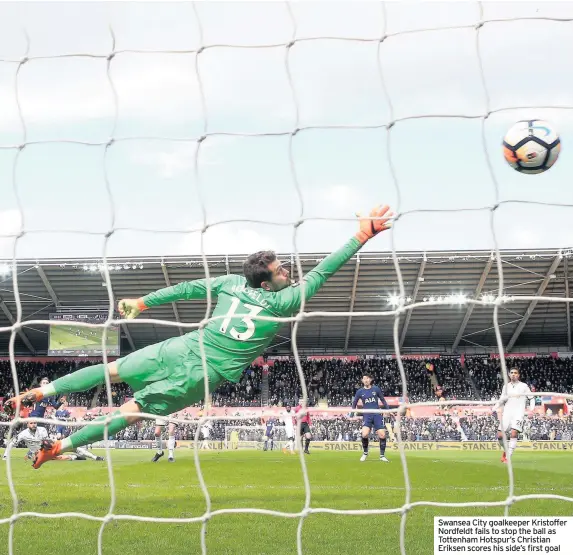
169 376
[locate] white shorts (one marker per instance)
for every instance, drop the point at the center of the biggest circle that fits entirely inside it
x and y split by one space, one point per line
511 422
164 421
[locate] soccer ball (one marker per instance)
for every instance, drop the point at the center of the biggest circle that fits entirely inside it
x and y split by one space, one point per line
531 146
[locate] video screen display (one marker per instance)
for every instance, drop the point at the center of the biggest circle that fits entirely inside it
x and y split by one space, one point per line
70 340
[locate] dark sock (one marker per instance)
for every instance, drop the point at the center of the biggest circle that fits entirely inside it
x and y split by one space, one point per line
365 444
306 444
382 447
272 444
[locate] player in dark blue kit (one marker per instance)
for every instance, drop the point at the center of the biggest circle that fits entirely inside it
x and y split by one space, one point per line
62 414
40 407
269 434
372 398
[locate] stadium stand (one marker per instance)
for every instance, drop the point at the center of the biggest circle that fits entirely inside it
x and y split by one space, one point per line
468 370
542 374
333 381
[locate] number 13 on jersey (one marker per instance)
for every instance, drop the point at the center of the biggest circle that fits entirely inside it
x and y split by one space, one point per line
246 319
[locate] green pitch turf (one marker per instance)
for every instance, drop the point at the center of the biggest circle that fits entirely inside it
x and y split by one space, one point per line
268 480
63 337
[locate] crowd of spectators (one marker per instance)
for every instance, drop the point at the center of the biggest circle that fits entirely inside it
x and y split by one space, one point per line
337 380
285 386
146 430
429 429
479 428
536 428
453 380
30 373
475 428
436 428
412 429
119 393
245 393
541 374
333 381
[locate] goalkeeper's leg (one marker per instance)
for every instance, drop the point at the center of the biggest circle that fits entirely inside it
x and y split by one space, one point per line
138 369
166 377
81 380
88 434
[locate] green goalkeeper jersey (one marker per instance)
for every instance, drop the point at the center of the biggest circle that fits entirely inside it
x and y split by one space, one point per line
235 340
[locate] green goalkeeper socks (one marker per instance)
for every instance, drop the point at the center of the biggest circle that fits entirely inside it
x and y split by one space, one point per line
94 432
81 380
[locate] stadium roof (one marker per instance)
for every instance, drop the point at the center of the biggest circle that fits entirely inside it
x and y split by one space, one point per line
367 283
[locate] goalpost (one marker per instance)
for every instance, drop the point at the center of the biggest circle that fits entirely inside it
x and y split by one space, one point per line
395 315
253 437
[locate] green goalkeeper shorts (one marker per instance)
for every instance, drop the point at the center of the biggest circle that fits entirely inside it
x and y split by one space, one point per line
167 376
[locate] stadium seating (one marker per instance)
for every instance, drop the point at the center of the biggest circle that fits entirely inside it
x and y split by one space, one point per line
335 381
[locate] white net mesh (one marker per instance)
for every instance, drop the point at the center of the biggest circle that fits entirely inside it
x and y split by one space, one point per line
292 134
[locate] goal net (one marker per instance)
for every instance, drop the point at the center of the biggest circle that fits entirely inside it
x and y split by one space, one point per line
312 111
254 437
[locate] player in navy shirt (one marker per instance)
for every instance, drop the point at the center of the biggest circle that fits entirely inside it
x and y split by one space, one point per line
269 434
372 398
62 414
39 409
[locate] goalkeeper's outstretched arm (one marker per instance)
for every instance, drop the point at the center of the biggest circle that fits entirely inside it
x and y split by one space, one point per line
184 291
289 300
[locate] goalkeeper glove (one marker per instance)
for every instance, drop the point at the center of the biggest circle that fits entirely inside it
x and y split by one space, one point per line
370 227
131 308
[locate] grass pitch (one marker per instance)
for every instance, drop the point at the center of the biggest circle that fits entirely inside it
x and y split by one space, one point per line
268 480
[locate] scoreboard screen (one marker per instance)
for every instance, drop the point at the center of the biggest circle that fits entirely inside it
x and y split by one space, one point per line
71 340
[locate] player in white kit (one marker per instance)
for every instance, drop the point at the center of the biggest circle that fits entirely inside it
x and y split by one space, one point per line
206 433
33 436
160 423
289 429
513 410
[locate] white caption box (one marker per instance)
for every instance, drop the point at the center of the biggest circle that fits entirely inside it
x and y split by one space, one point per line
503 535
